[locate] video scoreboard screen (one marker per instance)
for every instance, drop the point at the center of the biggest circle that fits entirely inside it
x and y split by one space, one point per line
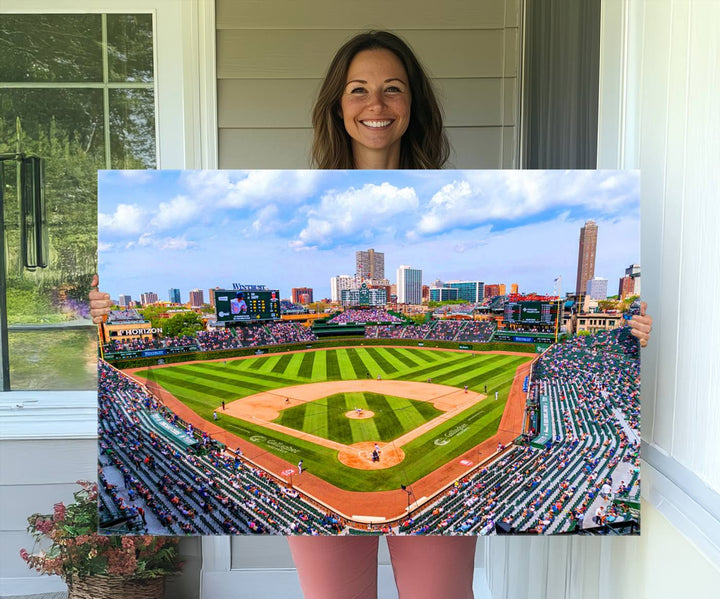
531 312
247 306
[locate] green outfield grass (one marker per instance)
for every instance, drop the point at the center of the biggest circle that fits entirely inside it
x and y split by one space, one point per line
326 417
203 386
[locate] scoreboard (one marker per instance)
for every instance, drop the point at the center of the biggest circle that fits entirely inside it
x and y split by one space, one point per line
531 312
247 306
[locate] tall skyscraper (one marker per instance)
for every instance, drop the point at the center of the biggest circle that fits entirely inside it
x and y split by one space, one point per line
124 301
597 288
302 295
174 295
370 264
340 282
409 285
513 288
586 255
196 298
149 297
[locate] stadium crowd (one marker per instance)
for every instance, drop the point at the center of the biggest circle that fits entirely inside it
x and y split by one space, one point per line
438 330
361 316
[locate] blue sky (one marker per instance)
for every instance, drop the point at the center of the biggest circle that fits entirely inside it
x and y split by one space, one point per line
187 229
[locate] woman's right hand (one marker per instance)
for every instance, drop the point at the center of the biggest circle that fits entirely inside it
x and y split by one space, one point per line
100 303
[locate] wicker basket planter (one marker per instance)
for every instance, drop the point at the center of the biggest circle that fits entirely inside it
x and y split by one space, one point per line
116 587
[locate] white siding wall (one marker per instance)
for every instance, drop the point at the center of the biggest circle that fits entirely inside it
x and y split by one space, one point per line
660 81
271 57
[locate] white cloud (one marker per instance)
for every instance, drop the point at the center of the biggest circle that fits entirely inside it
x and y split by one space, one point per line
260 187
266 219
250 189
164 243
483 196
178 211
128 219
356 213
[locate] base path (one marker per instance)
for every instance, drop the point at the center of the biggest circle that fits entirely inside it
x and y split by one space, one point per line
379 505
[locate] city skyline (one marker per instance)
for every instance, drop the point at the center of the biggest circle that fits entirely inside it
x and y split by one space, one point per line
288 229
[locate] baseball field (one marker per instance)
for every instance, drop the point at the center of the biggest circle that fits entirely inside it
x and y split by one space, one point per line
330 407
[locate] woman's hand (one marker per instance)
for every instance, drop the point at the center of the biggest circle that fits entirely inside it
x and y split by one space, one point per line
641 325
100 302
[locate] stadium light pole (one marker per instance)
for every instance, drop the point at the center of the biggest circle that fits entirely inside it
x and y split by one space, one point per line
557 315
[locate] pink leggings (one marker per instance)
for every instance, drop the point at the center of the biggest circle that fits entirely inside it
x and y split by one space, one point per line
429 567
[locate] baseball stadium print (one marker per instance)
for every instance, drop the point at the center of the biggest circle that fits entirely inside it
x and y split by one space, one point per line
369 352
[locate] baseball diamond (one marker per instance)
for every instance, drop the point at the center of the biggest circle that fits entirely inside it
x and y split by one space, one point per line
295 405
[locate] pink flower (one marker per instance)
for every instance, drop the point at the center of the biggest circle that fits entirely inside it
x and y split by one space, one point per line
24 555
59 512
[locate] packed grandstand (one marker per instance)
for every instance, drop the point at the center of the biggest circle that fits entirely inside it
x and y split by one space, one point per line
578 453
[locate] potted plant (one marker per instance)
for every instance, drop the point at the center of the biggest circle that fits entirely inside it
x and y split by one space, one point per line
95 566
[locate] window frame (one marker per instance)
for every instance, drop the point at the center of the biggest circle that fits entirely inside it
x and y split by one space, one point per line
183 32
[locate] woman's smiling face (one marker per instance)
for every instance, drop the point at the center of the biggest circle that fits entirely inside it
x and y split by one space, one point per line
375 106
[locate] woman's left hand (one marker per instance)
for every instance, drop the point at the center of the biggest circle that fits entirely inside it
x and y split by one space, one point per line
641 325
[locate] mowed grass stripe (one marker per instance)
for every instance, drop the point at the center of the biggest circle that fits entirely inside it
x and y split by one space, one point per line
268 363
391 359
332 366
436 369
293 418
387 423
460 374
402 357
347 372
293 366
424 355
496 376
361 371
338 425
364 429
408 416
380 360
215 385
316 419
186 386
306 366
244 379
281 364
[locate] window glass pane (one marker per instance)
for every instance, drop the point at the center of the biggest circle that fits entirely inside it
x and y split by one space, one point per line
130 48
66 127
50 48
132 128
53 359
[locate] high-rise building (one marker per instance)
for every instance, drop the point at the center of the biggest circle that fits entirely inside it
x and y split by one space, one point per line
124 301
586 255
470 291
501 289
211 295
196 298
174 295
443 294
370 264
597 288
340 282
626 287
409 285
492 290
302 295
633 271
149 297
513 288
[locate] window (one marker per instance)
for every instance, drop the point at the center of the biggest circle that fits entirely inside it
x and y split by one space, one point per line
77 90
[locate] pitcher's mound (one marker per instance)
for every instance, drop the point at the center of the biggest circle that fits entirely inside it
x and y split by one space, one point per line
359 455
359 416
